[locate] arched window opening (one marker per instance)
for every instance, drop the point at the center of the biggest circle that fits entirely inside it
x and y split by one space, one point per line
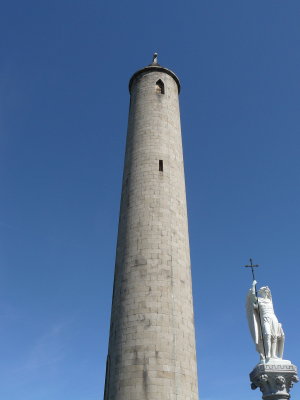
160 87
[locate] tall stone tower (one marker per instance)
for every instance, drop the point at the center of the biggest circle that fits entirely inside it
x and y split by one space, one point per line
151 352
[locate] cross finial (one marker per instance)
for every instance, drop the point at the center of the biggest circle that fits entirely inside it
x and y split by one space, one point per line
154 59
252 266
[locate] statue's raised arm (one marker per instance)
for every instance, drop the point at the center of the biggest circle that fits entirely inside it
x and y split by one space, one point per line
266 331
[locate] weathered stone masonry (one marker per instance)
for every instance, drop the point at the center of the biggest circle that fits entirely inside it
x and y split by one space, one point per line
151 352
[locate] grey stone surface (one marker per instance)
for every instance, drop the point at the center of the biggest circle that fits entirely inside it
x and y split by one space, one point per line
275 380
152 340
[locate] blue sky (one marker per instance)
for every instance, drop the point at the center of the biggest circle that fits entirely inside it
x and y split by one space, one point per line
64 72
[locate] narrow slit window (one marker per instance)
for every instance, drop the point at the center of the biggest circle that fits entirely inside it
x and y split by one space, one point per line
160 87
161 165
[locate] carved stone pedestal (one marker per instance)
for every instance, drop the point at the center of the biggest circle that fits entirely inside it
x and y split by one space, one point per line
275 379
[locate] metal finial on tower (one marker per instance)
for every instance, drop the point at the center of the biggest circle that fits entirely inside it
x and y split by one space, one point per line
154 59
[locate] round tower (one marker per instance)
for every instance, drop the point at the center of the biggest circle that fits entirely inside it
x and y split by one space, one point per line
151 352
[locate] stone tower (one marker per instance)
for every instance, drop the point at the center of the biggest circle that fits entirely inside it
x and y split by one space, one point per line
151 352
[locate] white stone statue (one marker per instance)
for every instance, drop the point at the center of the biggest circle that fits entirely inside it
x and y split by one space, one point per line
265 329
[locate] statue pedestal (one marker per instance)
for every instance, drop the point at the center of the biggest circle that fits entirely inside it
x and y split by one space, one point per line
275 379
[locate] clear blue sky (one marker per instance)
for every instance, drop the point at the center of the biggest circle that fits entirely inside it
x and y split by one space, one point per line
64 71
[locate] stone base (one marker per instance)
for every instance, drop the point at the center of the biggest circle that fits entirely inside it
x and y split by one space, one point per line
274 378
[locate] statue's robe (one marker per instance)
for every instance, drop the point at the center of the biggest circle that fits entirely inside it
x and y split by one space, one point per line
270 324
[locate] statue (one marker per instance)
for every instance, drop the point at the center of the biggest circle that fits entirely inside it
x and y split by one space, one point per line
273 375
265 329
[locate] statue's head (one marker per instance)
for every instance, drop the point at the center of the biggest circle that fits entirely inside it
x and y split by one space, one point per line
265 292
